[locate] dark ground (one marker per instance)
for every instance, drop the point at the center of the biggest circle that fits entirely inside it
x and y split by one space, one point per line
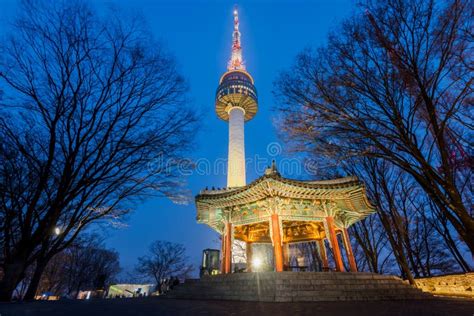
162 306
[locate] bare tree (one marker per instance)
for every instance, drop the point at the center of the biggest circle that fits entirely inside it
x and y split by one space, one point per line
371 245
85 265
54 278
163 260
403 214
441 224
394 83
307 250
94 117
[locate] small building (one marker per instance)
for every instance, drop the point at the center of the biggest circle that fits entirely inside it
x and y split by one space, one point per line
210 262
130 290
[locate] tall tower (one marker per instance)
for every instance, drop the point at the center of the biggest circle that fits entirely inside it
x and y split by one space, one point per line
236 102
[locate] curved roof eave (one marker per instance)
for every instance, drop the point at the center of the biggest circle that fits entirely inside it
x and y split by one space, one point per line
345 182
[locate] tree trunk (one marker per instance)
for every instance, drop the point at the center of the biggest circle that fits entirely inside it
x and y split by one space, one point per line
455 252
442 227
370 253
35 280
398 250
12 275
453 209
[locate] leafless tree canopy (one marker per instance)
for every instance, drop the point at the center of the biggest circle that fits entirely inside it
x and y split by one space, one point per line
85 265
164 260
93 116
394 83
371 246
410 225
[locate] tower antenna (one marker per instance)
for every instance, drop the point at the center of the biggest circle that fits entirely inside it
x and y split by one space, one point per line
236 62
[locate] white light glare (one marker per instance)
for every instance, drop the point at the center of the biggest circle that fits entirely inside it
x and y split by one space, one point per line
256 262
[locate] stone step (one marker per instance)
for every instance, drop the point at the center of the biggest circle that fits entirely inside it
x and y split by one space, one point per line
282 288
298 286
271 298
313 281
307 281
301 275
334 292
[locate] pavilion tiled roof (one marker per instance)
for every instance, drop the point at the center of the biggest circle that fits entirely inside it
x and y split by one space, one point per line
298 200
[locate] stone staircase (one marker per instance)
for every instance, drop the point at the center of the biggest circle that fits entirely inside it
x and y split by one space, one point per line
298 287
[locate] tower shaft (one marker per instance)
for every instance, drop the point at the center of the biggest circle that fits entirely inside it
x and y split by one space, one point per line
236 160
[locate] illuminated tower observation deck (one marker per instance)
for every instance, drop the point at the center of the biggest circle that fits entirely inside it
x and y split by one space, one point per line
236 102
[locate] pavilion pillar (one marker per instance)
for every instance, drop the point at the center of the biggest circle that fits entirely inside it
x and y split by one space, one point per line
223 252
228 249
286 256
335 244
348 247
323 254
248 254
276 238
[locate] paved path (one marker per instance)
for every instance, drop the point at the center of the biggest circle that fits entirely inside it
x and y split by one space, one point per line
163 306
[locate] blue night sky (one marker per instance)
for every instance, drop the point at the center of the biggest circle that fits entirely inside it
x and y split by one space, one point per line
199 34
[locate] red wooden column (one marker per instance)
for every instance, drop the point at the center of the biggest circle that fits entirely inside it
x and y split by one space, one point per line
223 252
228 249
324 255
335 244
248 253
276 237
348 247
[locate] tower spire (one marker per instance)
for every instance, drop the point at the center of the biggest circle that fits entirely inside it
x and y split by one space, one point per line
236 62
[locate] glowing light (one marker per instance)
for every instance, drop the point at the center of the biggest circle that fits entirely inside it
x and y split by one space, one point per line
256 262
236 60
57 231
236 162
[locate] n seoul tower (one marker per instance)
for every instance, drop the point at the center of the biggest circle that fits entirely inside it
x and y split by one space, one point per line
236 102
